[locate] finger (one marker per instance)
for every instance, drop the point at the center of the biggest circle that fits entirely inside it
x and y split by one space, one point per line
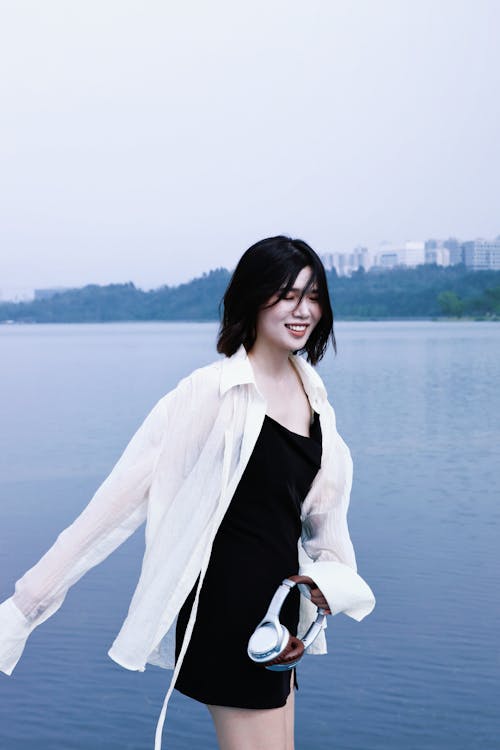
320 602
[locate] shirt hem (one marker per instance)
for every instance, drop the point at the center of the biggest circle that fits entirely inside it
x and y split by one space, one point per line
123 663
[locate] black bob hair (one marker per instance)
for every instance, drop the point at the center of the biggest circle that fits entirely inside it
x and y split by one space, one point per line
267 268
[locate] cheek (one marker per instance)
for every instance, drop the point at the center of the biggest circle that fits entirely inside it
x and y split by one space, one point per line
318 313
275 315
267 320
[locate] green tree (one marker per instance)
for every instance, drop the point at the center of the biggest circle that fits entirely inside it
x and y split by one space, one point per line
493 298
450 304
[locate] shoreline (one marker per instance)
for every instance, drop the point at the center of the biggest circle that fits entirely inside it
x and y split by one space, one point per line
430 319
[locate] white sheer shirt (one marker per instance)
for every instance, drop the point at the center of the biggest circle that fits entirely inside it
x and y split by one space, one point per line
178 474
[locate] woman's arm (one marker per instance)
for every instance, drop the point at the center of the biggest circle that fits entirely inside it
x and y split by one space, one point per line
331 561
325 533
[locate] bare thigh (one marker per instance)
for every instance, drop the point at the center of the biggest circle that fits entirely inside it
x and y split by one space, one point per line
255 729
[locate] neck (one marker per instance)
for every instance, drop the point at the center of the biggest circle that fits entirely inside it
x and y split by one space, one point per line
269 360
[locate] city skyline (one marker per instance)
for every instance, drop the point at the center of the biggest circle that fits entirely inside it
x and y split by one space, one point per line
388 255
152 142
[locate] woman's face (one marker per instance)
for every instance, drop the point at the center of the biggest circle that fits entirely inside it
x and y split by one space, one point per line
288 323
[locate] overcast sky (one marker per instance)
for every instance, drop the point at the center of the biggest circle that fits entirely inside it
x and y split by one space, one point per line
151 141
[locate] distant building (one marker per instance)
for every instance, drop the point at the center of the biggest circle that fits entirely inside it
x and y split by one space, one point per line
444 252
346 263
410 254
327 260
438 255
478 254
363 258
482 255
456 250
388 259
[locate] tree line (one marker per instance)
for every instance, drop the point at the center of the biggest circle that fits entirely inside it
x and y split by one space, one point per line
428 291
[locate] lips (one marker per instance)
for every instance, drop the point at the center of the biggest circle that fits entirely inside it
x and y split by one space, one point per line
297 329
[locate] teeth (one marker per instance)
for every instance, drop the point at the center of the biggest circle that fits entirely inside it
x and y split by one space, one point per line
297 327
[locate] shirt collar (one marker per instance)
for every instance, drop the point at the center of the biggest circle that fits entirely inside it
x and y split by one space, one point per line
237 370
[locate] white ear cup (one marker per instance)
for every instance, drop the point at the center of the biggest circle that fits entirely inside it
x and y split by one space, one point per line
271 644
268 641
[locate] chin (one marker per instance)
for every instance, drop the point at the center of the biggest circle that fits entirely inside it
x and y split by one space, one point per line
296 348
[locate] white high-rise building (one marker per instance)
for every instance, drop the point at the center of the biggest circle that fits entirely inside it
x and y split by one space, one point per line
438 255
388 259
482 255
346 263
410 254
363 258
328 261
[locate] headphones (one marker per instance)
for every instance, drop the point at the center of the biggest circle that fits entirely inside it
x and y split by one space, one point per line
271 643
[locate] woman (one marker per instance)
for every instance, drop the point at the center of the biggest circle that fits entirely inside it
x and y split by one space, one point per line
238 472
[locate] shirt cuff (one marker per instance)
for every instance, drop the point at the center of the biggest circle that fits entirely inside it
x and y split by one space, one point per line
14 632
343 588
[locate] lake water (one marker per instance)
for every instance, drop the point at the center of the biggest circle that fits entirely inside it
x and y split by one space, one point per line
417 402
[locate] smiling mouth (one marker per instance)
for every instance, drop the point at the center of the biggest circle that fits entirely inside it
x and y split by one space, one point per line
297 327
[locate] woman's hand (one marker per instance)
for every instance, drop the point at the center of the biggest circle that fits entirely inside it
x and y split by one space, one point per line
318 599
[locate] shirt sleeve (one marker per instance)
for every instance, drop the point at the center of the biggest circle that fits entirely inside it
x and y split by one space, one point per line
116 510
325 533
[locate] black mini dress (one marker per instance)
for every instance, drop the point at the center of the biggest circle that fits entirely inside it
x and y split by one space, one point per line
254 550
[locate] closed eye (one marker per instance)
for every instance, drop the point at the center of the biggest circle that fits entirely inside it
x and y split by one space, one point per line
314 297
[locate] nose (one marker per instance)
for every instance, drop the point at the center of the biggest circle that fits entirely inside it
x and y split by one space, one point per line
303 307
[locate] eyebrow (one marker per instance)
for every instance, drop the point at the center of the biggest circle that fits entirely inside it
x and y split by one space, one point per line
311 289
